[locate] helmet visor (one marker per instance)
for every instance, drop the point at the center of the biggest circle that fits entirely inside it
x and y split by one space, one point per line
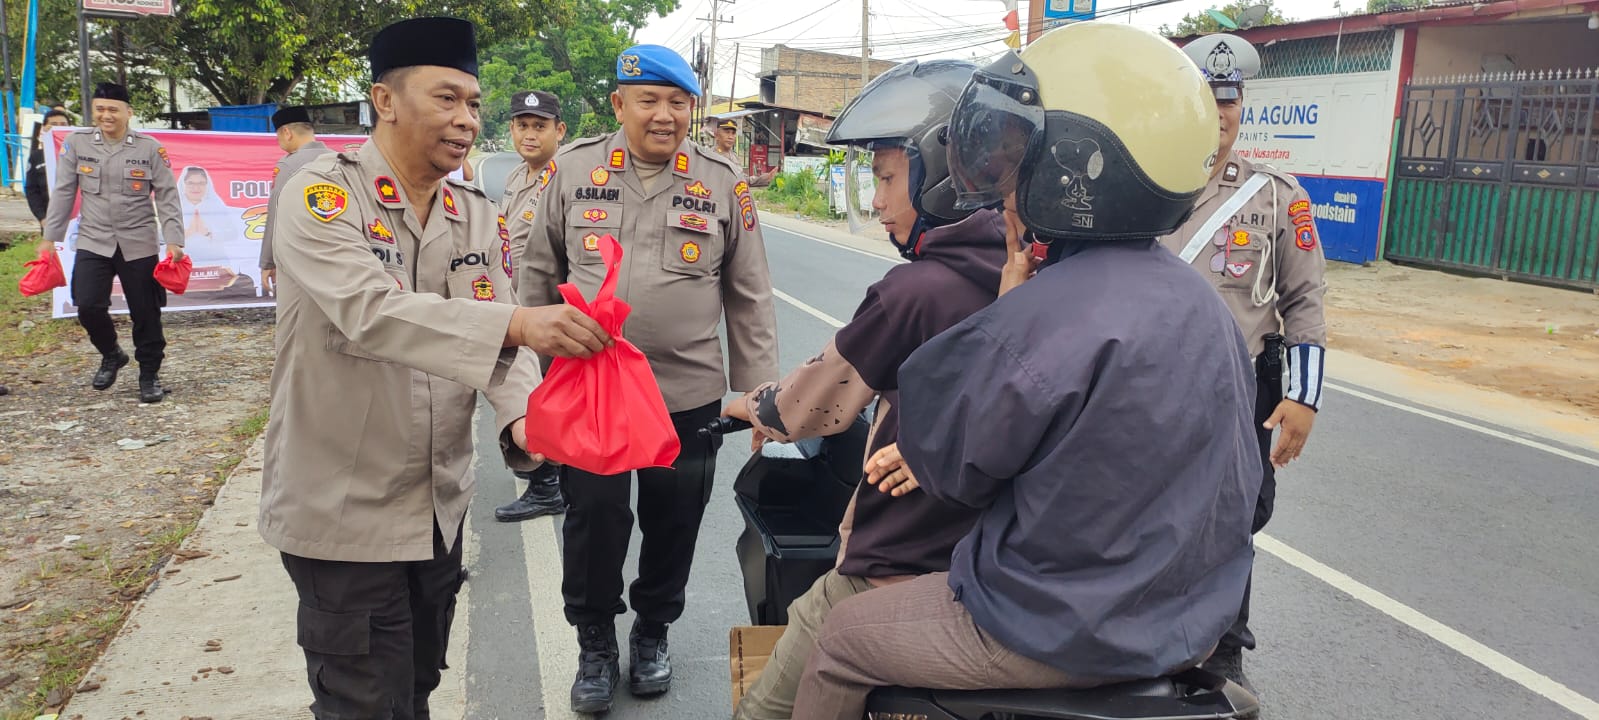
859 188
992 128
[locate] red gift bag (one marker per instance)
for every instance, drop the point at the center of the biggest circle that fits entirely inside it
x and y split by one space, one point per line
43 275
174 276
603 414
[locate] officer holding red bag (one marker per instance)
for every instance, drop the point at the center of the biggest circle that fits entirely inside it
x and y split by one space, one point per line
694 256
115 172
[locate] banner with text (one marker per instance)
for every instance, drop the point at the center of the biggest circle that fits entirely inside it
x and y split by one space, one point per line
224 180
1334 132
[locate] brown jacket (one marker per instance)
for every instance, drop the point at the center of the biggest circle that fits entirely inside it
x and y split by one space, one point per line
692 253
386 331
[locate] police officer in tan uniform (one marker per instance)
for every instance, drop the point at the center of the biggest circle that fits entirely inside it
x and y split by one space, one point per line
1253 235
394 310
536 133
297 137
693 255
118 170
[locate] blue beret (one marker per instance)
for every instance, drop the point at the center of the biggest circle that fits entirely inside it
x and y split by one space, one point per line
655 65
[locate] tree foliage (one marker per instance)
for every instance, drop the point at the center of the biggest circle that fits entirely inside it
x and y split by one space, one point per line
1200 23
1378 6
576 61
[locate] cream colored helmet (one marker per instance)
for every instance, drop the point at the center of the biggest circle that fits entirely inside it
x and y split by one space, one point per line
1103 130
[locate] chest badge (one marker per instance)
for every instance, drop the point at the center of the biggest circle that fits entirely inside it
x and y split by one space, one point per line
482 289
591 242
693 222
1240 238
698 189
600 176
527 216
380 232
1238 269
690 252
326 201
595 215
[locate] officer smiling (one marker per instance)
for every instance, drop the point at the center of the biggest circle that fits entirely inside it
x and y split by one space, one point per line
694 255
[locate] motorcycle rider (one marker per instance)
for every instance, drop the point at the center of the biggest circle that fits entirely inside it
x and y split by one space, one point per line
896 125
1099 416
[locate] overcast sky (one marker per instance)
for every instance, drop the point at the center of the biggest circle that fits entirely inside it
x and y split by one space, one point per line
900 29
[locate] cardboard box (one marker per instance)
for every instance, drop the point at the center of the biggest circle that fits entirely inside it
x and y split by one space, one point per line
748 649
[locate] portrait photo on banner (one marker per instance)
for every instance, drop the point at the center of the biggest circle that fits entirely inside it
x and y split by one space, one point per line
224 180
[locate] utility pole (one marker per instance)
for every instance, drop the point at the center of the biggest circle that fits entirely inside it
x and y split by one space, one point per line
866 65
732 90
710 63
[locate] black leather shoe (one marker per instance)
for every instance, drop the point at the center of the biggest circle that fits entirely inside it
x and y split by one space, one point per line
542 497
106 376
650 670
597 669
1229 663
150 390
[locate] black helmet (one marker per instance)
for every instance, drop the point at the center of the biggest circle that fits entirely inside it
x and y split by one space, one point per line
907 107
1103 130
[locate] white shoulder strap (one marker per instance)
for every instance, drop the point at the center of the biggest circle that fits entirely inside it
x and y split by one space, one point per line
1197 242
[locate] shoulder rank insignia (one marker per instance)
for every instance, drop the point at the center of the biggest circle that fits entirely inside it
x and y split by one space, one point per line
388 192
681 163
449 201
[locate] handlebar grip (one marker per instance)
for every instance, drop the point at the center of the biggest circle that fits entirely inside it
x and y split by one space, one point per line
724 426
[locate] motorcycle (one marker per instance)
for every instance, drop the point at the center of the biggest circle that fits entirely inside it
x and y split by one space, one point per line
792 497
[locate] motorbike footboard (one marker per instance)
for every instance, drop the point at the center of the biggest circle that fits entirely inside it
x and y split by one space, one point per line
1175 698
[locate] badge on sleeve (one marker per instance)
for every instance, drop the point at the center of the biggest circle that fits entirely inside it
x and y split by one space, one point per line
505 247
482 289
162 151
388 192
547 174
1298 207
1305 238
449 202
326 201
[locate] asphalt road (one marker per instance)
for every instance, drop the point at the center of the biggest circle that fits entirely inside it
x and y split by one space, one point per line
1416 567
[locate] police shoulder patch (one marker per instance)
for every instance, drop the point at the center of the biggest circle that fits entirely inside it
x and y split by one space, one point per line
326 201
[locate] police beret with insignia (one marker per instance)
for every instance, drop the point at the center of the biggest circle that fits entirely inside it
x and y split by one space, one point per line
441 41
727 125
290 115
655 65
111 91
536 102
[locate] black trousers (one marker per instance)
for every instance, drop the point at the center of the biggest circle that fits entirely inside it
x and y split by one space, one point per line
1239 636
375 634
91 293
599 524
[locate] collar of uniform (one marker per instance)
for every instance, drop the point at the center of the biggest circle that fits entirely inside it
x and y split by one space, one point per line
376 169
449 202
99 137
313 146
1235 178
521 177
613 161
683 159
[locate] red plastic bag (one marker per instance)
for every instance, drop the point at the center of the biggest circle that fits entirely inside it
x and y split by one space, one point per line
43 275
603 414
174 276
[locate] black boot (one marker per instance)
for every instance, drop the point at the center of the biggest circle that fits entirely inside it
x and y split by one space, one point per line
150 390
1228 662
650 671
597 669
106 376
542 497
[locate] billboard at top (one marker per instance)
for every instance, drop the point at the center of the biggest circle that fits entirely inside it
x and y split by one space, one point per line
1060 12
1332 132
133 7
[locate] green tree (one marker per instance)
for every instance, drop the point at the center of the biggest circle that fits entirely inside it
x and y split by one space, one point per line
253 51
1378 6
1201 22
575 61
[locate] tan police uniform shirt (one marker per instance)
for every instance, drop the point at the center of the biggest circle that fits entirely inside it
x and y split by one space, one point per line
692 253
117 183
386 330
520 204
285 168
1269 246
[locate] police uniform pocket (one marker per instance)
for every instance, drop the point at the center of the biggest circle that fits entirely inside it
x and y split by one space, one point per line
136 181
693 243
330 633
1240 258
585 225
89 178
477 283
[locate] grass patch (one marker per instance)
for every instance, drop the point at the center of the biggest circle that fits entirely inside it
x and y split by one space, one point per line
66 659
252 426
47 334
798 192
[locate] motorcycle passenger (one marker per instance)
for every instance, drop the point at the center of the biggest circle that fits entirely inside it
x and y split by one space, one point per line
896 126
1099 416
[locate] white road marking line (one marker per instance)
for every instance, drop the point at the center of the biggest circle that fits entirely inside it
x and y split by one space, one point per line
1449 637
1587 460
1490 432
556 640
807 309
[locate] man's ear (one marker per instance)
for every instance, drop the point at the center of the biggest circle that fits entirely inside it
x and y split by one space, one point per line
383 102
616 103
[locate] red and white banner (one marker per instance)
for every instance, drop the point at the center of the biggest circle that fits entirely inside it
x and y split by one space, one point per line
133 7
224 180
